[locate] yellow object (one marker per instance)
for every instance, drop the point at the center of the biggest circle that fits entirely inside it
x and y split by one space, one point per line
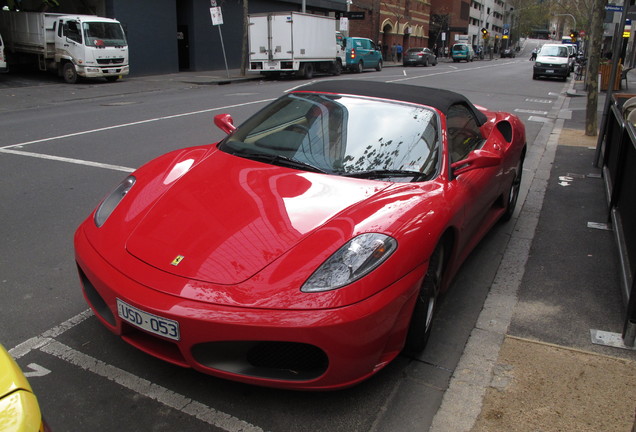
19 410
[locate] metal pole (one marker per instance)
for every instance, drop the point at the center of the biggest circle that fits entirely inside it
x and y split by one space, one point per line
223 48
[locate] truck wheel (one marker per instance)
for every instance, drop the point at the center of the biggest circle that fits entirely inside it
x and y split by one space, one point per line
308 71
69 73
336 68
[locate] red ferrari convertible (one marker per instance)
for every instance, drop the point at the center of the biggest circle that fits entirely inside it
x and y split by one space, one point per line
308 248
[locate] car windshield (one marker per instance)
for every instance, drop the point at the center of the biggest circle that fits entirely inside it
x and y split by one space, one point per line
459 47
343 135
104 34
554 51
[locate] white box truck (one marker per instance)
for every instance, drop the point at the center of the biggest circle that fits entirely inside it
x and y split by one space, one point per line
293 42
71 45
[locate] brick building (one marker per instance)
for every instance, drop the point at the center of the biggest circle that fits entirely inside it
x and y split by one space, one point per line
404 22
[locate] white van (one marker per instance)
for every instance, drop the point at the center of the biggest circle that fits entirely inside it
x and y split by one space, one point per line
553 60
3 57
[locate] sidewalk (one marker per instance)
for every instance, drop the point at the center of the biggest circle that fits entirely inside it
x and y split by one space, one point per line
535 368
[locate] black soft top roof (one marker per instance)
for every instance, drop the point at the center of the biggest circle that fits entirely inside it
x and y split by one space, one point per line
436 98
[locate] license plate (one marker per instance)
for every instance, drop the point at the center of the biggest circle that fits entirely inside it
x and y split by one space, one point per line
549 71
151 323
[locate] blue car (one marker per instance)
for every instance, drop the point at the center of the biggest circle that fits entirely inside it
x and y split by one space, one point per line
362 53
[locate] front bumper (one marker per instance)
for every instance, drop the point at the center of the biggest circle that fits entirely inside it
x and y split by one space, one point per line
103 72
319 349
561 71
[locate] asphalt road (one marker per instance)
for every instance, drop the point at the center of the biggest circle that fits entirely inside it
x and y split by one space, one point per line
62 148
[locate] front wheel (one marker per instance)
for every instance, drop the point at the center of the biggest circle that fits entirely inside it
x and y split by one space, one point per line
69 73
379 66
425 306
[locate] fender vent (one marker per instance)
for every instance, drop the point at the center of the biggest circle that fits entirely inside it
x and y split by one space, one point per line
506 130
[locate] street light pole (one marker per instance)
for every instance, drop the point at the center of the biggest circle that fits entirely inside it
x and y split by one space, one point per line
571 16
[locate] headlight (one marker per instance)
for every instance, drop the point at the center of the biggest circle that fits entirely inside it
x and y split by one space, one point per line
108 205
538 64
351 262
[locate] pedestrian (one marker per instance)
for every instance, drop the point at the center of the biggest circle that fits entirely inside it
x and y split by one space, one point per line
533 56
399 52
393 52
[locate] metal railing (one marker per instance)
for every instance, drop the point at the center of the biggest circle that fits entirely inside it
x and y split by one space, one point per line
619 172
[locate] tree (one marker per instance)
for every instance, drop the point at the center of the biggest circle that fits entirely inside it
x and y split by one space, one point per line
594 57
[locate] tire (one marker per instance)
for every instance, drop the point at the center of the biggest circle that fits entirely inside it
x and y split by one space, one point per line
425 306
534 77
308 71
513 193
359 67
379 66
336 68
425 64
69 73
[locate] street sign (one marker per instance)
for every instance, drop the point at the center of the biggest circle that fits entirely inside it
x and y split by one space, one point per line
344 24
217 16
614 8
355 15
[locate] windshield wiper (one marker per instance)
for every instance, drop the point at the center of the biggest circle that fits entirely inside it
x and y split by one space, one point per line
370 174
277 159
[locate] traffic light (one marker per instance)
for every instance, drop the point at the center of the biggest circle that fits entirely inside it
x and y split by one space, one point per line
573 35
484 31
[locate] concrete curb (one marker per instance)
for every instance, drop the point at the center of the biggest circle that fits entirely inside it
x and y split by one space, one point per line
475 371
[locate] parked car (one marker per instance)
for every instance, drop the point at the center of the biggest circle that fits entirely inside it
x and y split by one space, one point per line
462 51
553 60
19 408
308 248
362 53
419 56
508 52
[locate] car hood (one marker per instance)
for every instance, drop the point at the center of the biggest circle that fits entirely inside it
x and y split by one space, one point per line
229 217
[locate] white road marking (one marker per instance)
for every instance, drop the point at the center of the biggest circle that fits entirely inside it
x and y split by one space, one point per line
544 101
68 160
47 344
519 110
148 389
451 71
36 371
123 125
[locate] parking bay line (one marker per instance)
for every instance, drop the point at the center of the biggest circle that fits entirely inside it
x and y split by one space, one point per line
47 344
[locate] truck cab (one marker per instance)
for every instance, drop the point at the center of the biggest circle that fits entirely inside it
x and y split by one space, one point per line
90 48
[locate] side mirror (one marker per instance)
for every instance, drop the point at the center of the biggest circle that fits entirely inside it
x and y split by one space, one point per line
476 159
225 123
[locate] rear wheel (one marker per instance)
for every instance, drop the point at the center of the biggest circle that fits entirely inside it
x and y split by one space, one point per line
513 194
308 71
425 64
336 67
425 306
359 67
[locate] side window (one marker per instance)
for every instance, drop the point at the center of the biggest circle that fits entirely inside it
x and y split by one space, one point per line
59 28
72 31
464 134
